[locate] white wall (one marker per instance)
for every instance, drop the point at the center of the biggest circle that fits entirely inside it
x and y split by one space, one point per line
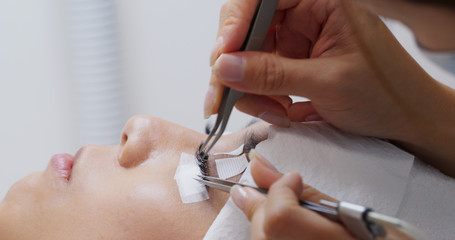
165 47
35 117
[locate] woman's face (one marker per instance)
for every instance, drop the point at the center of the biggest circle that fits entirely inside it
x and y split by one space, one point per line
116 192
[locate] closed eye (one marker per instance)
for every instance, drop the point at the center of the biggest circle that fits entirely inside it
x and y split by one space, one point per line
251 139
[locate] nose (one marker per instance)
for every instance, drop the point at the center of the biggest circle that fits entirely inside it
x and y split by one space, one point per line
140 138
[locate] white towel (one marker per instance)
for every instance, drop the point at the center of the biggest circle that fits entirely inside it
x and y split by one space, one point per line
361 170
429 202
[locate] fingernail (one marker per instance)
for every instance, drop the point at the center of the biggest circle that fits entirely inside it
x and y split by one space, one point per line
208 102
254 155
313 117
239 196
216 49
275 119
293 174
230 68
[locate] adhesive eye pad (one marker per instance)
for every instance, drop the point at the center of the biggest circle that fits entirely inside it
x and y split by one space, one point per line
233 164
236 152
229 167
190 190
193 191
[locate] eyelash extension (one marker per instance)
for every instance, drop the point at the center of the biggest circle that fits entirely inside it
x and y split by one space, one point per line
250 142
202 161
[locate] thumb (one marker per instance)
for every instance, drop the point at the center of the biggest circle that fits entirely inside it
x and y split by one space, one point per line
269 74
263 172
248 200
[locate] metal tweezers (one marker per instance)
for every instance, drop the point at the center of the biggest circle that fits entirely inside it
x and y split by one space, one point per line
361 221
253 42
226 185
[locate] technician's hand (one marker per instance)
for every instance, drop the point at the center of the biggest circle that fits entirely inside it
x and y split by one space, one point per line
345 60
279 215
434 31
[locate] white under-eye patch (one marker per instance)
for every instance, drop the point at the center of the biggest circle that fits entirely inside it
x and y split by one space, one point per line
229 167
190 190
236 152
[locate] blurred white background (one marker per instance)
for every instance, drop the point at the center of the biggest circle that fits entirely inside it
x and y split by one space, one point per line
155 60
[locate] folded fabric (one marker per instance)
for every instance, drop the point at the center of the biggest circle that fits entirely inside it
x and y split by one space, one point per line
361 170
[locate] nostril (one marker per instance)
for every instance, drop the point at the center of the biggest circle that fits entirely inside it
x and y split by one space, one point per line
141 136
124 138
135 149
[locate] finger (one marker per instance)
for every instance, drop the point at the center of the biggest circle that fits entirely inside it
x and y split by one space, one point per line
265 108
280 109
235 19
291 44
257 225
269 41
263 172
285 217
313 195
268 74
285 101
302 111
248 200
282 203
271 109
213 97
286 4
287 188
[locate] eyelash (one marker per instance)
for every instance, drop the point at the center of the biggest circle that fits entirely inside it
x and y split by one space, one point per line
250 142
202 161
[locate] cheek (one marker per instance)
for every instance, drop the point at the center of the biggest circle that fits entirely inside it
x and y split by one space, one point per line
8 222
150 194
119 211
149 210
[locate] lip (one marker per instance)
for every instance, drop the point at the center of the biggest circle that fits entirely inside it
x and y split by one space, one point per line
63 164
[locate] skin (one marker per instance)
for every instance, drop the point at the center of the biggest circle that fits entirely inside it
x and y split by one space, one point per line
340 55
126 191
432 24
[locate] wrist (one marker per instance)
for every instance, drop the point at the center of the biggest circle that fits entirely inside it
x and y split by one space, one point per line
432 135
434 31
432 24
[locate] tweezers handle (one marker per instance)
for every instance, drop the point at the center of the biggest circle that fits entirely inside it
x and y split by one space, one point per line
253 42
260 25
230 97
226 185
